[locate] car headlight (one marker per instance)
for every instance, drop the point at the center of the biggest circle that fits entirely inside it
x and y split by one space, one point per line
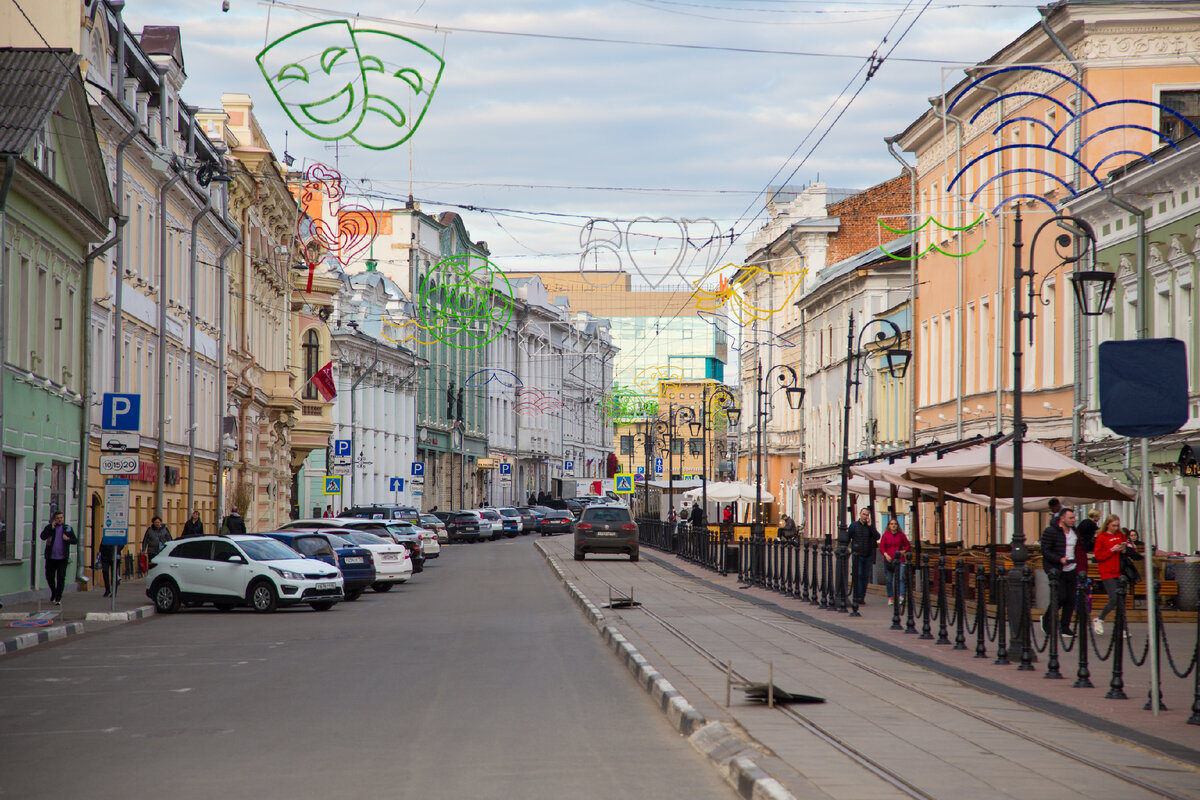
287 574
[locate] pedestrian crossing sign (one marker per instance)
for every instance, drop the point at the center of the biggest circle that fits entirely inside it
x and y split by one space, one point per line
623 483
333 484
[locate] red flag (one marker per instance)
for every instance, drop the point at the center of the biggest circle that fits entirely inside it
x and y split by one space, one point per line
323 380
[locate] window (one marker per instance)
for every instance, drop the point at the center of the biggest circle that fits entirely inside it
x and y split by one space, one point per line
312 363
198 550
224 551
58 487
626 445
695 446
1185 103
676 446
8 508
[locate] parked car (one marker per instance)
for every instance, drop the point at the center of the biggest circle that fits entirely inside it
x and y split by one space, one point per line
229 571
466 526
606 529
383 512
425 538
356 563
557 521
395 530
568 504
493 520
510 522
392 561
435 524
529 519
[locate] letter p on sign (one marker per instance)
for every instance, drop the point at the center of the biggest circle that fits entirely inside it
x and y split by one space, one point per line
121 412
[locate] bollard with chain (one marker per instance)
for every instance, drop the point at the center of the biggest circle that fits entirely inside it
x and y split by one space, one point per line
926 628
943 633
897 590
1194 719
1116 686
960 616
1001 618
1026 621
804 595
1083 676
1052 631
980 613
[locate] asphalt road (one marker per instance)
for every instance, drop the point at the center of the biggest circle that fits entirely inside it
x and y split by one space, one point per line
478 679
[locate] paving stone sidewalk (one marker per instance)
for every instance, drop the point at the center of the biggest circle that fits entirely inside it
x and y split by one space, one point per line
883 696
80 612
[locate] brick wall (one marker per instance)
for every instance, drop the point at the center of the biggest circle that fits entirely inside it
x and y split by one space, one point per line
860 214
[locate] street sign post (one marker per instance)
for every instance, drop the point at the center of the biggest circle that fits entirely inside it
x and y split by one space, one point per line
333 484
658 466
341 447
340 467
569 466
116 513
118 464
623 483
418 469
505 468
396 484
119 442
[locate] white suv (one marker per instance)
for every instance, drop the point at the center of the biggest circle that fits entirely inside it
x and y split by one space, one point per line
229 571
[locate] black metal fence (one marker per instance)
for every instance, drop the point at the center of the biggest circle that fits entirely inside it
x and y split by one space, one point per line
965 601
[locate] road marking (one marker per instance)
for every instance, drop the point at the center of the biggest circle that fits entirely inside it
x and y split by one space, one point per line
59 733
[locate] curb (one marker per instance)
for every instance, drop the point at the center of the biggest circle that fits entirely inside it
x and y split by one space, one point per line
34 638
723 748
120 616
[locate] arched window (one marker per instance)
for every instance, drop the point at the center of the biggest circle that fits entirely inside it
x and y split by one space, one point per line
312 362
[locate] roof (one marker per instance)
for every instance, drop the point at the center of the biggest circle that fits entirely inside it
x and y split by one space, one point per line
32 82
163 40
897 248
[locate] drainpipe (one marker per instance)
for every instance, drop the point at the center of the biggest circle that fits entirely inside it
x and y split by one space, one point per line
912 273
118 6
162 339
85 349
119 258
10 170
1147 490
191 484
222 387
960 343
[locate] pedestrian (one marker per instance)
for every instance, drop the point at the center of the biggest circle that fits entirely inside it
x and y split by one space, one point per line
328 512
863 539
787 528
193 527
697 517
1111 546
1062 551
58 537
893 545
109 557
1087 529
155 537
727 515
234 525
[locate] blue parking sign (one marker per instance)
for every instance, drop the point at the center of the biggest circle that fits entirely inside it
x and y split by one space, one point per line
341 447
418 469
569 466
505 468
658 466
121 412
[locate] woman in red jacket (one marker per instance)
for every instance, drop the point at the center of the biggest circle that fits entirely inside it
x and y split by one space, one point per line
1110 544
893 544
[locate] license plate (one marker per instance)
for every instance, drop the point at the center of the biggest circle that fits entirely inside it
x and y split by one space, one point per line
605 533
326 585
390 557
354 560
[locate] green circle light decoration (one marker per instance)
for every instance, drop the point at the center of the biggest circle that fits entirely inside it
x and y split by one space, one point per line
464 301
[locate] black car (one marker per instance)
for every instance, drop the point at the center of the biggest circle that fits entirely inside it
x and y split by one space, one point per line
606 529
557 521
529 519
568 504
464 525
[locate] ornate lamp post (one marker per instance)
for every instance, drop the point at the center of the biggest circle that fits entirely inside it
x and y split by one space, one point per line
665 429
1075 240
897 364
728 406
786 377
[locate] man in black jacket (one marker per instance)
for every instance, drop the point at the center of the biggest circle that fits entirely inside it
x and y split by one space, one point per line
234 524
1087 530
863 539
58 537
193 527
1063 552
697 517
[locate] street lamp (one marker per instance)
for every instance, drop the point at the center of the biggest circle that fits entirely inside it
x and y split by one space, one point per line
1075 240
676 417
728 406
897 360
786 377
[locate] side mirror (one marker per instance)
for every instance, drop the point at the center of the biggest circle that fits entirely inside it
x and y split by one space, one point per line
236 559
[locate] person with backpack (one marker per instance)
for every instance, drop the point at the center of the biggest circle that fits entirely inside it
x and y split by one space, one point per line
233 525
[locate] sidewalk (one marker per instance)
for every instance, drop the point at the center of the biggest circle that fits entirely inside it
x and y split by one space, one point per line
79 611
1004 734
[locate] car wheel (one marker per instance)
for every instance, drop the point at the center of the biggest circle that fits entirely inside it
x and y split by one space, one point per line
633 556
224 606
381 587
324 605
263 597
579 556
166 597
352 596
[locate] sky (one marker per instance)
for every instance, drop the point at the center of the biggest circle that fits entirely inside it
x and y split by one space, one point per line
530 136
